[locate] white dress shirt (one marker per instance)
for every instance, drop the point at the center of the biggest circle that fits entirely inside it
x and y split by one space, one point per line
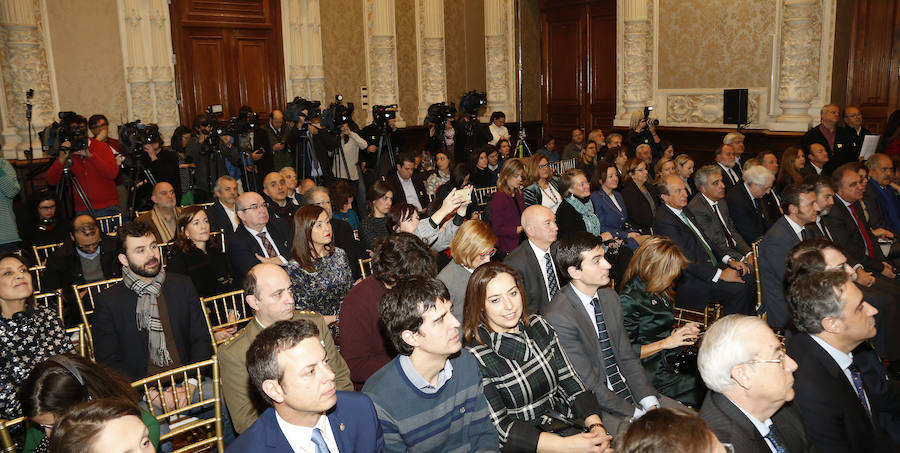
542 263
409 190
843 361
262 246
300 437
796 227
232 216
762 427
496 133
729 172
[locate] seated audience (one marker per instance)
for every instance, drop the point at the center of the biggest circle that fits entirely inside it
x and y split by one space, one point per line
573 149
102 425
846 402
481 175
441 407
473 245
712 214
643 153
835 140
548 148
20 352
749 377
267 290
711 275
684 167
404 218
541 186
609 206
288 367
320 272
890 138
771 200
816 159
587 160
497 128
406 184
640 197
668 431
223 213
342 205
525 371
362 339
731 171
60 383
747 206
162 218
665 166
373 227
507 206
198 256
532 258
880 198
616 155
46 226
459 178
340 230
648 317
789 170
587 316
276 197
443 164
291 185
257 239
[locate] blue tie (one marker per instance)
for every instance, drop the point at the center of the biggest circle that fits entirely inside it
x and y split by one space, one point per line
775 438
317 439
552 285
609 358
856 377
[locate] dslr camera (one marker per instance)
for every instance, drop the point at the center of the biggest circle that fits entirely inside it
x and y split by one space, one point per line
471 102
650 121
70 128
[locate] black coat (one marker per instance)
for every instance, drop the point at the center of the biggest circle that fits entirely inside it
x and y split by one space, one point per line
845 232
242 247
530 267
64 270
397 188
209 271
747 218
842 153
730 425
640 212
218 219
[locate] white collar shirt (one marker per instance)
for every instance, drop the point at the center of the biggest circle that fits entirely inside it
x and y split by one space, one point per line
843 361
262 246
300 437
542 263
763 427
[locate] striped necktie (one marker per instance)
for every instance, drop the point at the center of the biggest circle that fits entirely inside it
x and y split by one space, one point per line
775 438
609 358
552 284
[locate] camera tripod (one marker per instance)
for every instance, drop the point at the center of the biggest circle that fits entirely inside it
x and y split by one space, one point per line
522 149
250 173
384 142
304 147
140 176
67 183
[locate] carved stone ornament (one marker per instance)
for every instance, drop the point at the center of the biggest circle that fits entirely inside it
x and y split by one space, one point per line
638 55
431 52
800 52
382 54
303 49
704 108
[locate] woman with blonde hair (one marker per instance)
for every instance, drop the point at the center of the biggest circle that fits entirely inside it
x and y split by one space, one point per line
664 167
647 307
541 186
507 205
473 245
684 167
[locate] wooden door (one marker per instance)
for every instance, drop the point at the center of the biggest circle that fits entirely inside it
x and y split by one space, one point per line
873 77
228 52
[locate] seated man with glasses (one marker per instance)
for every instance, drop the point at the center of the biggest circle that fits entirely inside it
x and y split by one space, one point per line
750 379
257 239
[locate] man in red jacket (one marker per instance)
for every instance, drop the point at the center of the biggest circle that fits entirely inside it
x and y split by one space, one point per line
95 168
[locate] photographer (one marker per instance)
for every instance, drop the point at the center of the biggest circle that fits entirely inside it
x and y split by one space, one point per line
314 165
643 131
272 139
346 162
372 133
93 165
163 163
209 157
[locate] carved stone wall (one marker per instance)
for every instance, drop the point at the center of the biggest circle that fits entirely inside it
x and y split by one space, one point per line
801 36
705 108
381 54
637 56
500 55
302 31
432 61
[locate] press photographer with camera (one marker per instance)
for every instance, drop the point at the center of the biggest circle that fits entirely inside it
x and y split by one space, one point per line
209 153
310 144
163 162
643 130
91 162
272 140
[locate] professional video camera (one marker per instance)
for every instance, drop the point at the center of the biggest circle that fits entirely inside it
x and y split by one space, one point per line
294 108
132 138
439 113
245 122
471 102
337 114
70 128
382 114
650 121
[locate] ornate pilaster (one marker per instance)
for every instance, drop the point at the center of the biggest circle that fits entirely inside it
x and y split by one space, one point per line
638 57
432 63
499 52
149 71
302 31
23 59
798 81
381 54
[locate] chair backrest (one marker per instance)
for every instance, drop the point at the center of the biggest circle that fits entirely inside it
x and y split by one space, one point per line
109 224
41 252
194 375
225 311
756 274
140 213
6 443
218 236
560 167
52 300
204 205
164 249
37 278
704 318
76 335
84 296
484 195
365 267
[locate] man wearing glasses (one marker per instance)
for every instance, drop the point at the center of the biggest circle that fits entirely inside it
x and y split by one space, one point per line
750 379
853 120
256 240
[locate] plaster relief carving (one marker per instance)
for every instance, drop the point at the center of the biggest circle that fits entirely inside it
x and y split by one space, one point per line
382 54
704 108
799 63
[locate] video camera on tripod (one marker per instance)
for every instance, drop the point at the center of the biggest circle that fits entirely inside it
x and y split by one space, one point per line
132 138
383 114
294 109
438 114
71 128
471 102
337 114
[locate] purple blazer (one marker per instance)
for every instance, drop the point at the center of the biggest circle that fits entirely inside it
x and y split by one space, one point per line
506 216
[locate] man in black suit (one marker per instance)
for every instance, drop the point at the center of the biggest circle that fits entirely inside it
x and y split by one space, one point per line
787 232
708 277
341 231
816 160
276 195
533 260
769 160
835 140
712 213
222 214
750 379
736 140
842 392
408 186
257 239
747 206
725 160
576 313
853 121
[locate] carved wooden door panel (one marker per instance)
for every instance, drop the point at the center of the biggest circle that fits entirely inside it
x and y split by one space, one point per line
873 77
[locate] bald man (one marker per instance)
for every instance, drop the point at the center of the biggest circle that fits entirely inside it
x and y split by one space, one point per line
257 239
276 191
532 258
835 139
162 218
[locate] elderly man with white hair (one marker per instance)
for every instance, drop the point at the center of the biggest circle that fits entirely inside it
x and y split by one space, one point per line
747 206
736 140
750 379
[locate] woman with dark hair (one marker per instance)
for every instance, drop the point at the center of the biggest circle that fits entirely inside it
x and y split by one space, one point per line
47 225
541 186
667 150
548 148
379 199
524 369
504 151
616 157
890 138
441 141
320 273
29 334
459 178
102 426
52 389
507 206
480 175
587 160
342 203
403 218
609 206
497 128
198 257
792 160
640 197
647 303
443 163
186 166
668 430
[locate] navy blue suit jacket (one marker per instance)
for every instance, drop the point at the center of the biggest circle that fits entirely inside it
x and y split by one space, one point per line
696 284
747 219
611 217
242 247
353 421
773 251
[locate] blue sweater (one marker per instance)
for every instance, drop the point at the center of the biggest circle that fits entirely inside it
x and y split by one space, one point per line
455 419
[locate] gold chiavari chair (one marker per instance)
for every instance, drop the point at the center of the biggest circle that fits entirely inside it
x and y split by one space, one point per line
109 224
164 249
755 247
42 252
37 278
84 296
223 312
76 335
6 442
204 205
140 213
52 300
218 236
365 267
484 195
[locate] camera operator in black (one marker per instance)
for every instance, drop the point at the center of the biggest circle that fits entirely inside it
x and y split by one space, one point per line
210 164
375 170
44 225
163 162
272 140
323 142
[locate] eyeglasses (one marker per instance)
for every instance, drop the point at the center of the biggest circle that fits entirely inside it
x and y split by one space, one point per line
488 254
322 203
782 356
254 206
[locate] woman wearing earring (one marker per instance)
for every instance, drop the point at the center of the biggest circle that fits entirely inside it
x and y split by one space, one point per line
199 257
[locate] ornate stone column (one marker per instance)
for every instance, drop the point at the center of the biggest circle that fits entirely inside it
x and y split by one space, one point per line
499 52
302 33
381 55
637 57
432 62
798 81
23 66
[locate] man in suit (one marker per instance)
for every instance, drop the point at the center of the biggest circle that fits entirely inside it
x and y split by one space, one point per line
292 184
880 199
256 240
787 232
750 379
288 366
587 317
532 258
267 290
853 126
846 402
772 199
711 275
276 195
747 206
712 216
835 140
408 186
574 147
726 161
222 214
736 140
816 159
